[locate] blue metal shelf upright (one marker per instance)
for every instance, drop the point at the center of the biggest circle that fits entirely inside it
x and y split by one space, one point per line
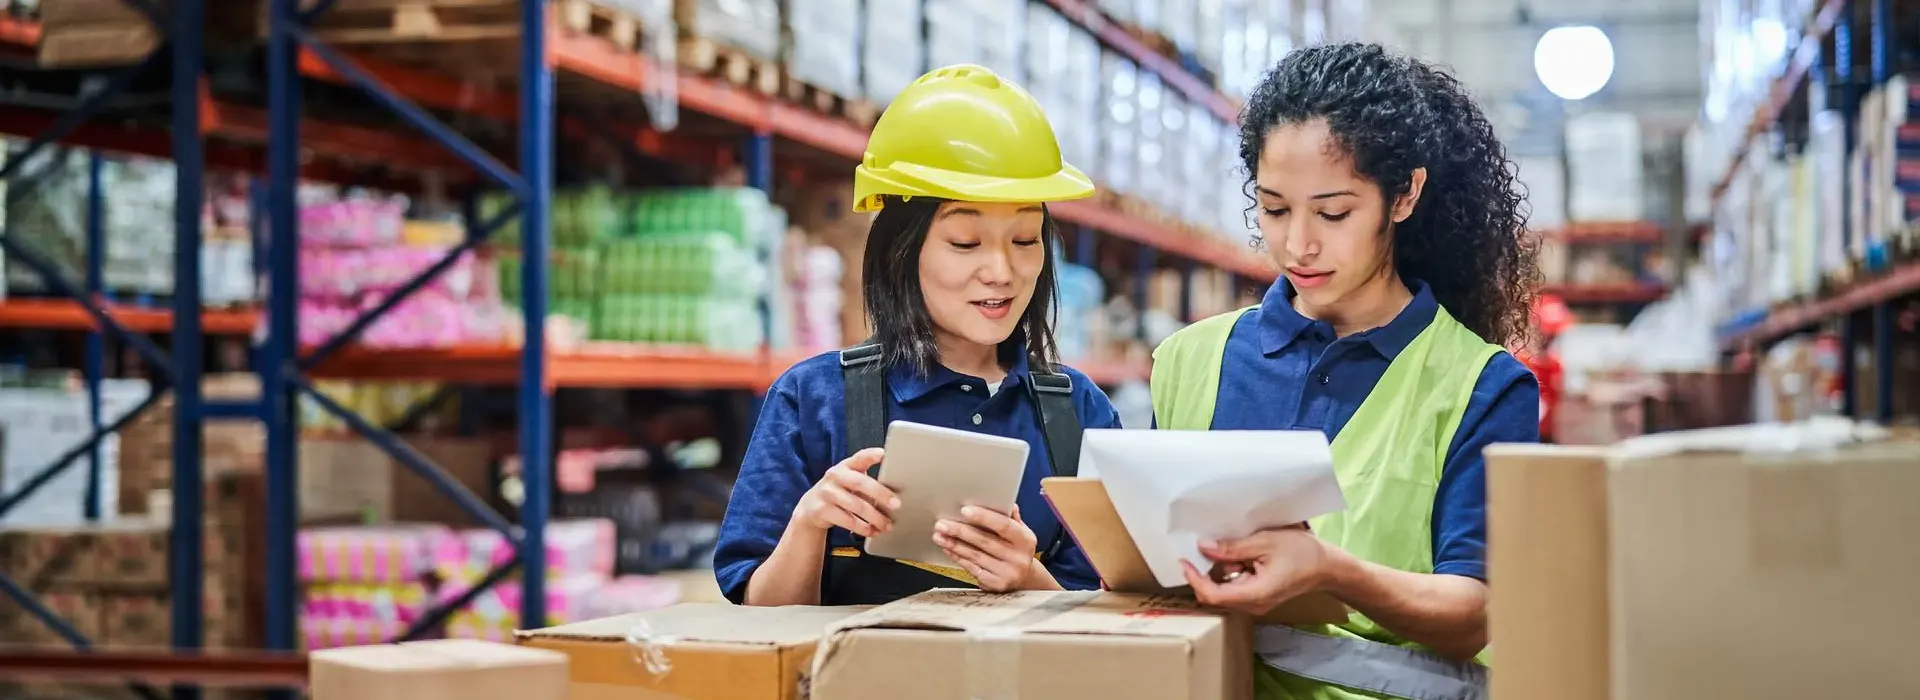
179 366
283 366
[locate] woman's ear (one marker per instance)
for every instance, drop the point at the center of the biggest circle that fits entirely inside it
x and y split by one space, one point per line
1403 207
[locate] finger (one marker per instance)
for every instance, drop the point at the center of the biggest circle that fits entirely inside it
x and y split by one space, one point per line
1248 548
984 540
864 460
1007 528
990 571
866 487
858 507
1203 586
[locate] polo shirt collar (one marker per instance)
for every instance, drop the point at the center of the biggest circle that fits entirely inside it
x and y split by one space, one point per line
1280 324
907 384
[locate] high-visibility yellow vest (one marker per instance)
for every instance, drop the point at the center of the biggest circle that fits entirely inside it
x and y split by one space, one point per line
1388 457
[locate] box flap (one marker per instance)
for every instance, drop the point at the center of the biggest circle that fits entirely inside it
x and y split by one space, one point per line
716 623
1083 507
1818 434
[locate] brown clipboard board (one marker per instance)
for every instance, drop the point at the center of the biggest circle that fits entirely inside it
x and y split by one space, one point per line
1090 518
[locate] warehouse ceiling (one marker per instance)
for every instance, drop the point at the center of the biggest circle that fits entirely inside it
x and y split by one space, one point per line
1489 44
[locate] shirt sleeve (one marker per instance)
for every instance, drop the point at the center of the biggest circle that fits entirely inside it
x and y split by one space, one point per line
1071 568
1505 408
774 474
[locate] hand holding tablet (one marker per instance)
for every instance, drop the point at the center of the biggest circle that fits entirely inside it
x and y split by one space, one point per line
847 498
936 473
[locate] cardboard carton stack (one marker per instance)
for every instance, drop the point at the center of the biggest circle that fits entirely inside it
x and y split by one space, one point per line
1766 561
146 447
110 580
892 50
1061 644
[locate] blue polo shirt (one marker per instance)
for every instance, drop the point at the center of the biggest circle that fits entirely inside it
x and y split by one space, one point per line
1284 371
802 432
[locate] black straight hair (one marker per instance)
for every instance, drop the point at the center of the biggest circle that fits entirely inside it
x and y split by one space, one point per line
897 307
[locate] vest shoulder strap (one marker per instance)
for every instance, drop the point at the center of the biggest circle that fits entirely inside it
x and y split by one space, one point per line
1186 372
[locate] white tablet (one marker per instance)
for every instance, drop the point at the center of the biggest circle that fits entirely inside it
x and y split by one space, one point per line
935 471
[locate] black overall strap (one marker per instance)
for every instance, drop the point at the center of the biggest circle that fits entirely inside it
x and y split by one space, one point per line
861 579
1052 396
866 403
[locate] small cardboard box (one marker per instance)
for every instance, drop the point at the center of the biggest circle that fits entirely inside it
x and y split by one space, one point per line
692 652
963 644
1713 563
447 669
1090 518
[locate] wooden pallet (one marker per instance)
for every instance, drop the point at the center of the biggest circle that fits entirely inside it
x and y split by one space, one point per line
860 112
584 17
710 57
407 21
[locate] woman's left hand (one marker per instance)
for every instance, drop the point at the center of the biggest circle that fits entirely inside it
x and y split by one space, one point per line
1264 570
995 548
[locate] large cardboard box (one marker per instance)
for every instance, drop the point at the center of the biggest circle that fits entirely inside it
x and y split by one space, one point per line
692 652
964 644
449 669
1094 524
1752 562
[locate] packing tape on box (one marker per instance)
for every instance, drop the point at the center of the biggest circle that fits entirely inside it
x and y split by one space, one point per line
650 648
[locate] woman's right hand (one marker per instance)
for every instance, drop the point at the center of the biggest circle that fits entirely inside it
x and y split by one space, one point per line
846 497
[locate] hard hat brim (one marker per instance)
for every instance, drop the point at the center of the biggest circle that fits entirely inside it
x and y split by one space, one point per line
909 180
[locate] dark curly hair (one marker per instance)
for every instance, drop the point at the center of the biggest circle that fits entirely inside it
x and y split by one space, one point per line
1467 237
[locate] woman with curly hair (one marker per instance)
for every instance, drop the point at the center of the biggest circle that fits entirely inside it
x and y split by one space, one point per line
1391 208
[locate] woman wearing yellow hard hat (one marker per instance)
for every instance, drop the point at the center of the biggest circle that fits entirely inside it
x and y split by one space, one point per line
959 286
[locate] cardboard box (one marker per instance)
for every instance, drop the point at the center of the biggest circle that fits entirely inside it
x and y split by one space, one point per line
1083 506
692 652
1547 535
1753 562
447 669
970 644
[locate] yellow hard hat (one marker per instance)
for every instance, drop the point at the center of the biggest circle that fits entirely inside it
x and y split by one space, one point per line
963 133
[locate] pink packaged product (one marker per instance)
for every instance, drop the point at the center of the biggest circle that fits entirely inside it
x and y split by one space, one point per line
396 602
358 222
573 547
630 594
357 273
329 633
425 320
393 554
566 599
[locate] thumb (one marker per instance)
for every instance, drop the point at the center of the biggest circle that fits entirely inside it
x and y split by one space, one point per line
1234 550
864 460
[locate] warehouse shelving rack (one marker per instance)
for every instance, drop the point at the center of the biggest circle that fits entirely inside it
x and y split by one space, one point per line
1874 294
280 139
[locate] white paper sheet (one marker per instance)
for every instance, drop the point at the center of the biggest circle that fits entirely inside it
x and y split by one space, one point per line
1174 489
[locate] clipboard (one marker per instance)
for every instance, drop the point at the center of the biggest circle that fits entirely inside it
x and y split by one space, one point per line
1089 516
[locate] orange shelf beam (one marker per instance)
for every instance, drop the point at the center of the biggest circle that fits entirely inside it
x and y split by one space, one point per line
1781 93
603 365
1217 252
1623 293
1786 320
61 314
1608 232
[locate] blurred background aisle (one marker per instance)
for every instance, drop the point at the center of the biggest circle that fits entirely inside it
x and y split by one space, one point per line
248 445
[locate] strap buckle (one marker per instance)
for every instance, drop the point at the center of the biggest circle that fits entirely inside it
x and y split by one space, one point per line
1052 383
860 355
